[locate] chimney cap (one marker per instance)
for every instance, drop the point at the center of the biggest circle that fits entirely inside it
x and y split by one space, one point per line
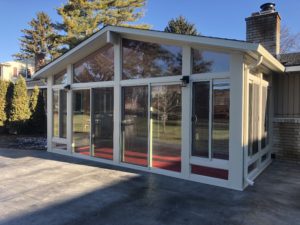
270 6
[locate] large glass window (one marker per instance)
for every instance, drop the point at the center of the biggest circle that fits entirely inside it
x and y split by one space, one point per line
60 113
135 125
60 78
265 117
200 119
99 66
253 121
145 59
102 122
81 121
210 62
165 125
220 126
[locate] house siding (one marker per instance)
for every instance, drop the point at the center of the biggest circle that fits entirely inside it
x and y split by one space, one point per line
286 123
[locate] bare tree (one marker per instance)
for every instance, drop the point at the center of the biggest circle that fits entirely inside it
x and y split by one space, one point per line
289 42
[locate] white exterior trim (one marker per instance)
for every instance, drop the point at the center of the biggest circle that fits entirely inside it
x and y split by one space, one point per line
292 69
99 38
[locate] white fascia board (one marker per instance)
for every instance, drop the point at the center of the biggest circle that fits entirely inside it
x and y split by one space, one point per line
292 69
269 60
44 72
88 46
188 39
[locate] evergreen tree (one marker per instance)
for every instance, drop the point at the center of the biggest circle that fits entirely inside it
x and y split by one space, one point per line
9 94
3 91
180 25
81 18
38 118
20 112
33 99
40 42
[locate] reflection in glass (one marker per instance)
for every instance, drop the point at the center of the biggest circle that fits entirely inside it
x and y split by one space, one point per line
102 122
81 121
63 113
144 59
166 127
200 124
208 61
265 116
99 66
220 126
60 78
135 125
55 105
253 126
59 113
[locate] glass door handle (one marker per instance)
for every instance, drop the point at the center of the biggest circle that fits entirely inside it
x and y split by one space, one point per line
194 119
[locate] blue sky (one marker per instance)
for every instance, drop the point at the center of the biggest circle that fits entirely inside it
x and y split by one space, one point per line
213 18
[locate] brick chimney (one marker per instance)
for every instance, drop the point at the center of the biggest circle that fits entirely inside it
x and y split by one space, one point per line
264 27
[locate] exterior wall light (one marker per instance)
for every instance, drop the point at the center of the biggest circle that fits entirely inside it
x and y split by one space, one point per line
185 81
67 87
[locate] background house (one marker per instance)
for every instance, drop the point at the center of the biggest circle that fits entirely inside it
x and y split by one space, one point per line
10 71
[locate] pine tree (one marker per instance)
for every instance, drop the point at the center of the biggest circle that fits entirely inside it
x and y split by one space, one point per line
20 112
180 25
33 99
9 94
40 42
3 91
81 18
38 119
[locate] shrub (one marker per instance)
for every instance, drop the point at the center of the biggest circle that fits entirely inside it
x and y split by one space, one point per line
37 123
19 110
3 91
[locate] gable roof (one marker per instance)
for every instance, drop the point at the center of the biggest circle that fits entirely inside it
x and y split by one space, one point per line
107 34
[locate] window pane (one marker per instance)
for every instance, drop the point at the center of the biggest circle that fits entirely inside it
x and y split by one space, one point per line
144 59
200 124
135 125
63 114
265 116
250 120
103 111
60 78
81 121
208 61
166 127
55 113
220 132
99 66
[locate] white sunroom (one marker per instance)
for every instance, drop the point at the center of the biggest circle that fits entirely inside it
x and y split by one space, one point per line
191 107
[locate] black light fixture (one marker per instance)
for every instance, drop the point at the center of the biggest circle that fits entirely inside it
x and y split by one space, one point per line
67 87
185 81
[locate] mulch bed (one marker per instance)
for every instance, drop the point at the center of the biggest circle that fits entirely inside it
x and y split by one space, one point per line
23 142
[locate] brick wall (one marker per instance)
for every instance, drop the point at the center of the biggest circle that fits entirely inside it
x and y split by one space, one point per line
286 139
264 29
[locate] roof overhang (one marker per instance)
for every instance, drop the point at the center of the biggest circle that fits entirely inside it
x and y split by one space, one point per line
110 34
290 69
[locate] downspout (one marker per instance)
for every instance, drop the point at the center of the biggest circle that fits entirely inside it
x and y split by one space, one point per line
257 63
251 67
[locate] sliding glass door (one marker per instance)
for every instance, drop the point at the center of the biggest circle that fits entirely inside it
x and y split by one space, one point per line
102 122
165 127
81 121
151 134
135 125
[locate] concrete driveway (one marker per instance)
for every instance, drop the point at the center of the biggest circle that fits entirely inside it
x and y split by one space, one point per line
41 188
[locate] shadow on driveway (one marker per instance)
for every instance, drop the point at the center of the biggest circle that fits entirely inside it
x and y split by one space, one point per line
38 187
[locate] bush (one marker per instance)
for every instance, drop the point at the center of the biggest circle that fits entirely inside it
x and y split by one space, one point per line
19 110
3 91
37 122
